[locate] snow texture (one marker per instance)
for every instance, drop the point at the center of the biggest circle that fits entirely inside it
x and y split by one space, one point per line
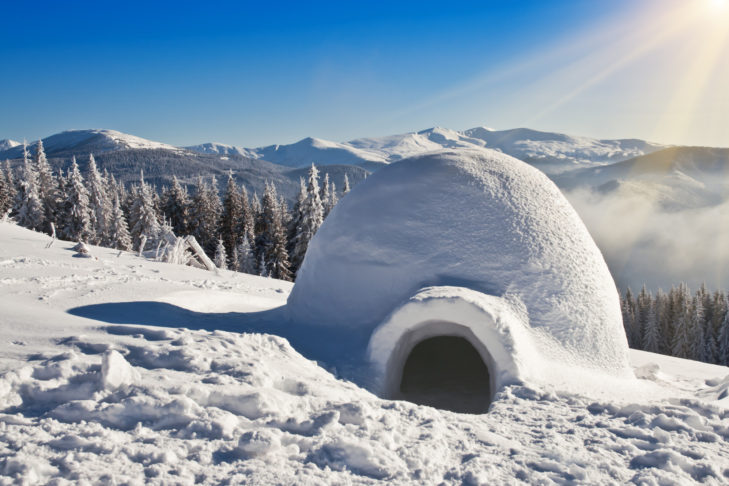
207 403
497 247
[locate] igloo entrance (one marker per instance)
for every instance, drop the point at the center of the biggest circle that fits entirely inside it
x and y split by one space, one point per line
446 372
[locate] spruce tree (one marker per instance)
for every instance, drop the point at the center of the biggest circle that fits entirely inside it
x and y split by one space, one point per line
29 206
11 186
76 209
221 258
651 337
272 240
5 201
231 220
628 311
681 345
100 204
48 189
723 343
247 217
311 218
697 336
325 195
143 216
176 207
642 312
346 188
205 215
246 256
119 236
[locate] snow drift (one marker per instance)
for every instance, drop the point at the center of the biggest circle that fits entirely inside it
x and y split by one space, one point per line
474 244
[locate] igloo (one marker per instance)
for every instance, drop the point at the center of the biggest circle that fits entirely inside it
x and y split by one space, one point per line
446 276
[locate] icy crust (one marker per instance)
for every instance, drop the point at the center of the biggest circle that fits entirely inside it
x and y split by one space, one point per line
479 220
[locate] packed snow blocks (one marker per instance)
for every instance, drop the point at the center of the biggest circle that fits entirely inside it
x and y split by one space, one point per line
465 271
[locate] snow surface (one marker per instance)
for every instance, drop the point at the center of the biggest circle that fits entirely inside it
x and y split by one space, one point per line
121 370
477 227
6 144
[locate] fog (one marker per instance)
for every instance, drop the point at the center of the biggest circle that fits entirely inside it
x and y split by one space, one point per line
646 244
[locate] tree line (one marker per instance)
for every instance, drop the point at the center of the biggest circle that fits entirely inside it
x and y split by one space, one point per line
681 323
240 232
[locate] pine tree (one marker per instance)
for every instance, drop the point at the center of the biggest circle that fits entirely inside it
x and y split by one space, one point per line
76 209
246 256
205 215
119 236
723 343
231 220
5 201
333 198
143 216
642 313
176 207
29 206
325 195
221 259
311 218
248 220
664 315
651 337
346 188
234 259
48 190
11 187
697 336
628 311
100 204
272 239
681 345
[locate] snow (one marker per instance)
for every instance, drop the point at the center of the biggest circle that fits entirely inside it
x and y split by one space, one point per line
6 144
552 152
212 398
497 249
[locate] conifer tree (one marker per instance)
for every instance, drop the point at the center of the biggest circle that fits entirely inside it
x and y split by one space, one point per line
681 345
48 190
311 218
76 210
5 201
29 206
248 222
642 311
100 204
346 188
231 220
143 216
628 311
664 311
272 239
205 215
723 343
325 196
651 338
176 207
333 198
119 236
234 260
12 185
246 256
697 336
221 258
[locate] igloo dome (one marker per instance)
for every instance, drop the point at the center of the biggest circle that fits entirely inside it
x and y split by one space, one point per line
455 262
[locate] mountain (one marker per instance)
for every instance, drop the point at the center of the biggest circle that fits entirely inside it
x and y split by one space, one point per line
551 152
84 142
6 144
217 149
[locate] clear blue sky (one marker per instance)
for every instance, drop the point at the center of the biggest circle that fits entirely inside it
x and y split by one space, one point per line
255 73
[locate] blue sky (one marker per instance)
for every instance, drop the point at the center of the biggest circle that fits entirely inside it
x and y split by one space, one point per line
253 74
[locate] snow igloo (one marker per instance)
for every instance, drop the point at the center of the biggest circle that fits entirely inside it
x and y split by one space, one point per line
451 274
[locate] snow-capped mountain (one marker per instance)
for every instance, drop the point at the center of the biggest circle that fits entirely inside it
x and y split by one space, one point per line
6 144
551 152
215 148
82 142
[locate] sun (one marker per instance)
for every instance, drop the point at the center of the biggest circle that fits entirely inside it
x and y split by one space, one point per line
719 4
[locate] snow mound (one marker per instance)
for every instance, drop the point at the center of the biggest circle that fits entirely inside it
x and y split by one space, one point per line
504 260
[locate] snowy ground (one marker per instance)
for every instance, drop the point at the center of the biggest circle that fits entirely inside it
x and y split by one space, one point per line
121 370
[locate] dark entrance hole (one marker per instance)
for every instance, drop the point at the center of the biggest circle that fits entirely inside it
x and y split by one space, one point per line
446 372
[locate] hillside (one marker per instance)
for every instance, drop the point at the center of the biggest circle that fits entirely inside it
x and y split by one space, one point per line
119 368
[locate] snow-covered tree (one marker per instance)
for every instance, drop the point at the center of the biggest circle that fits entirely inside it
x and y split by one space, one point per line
29 206
48 190
221 258
723 343
697 336
272 238
248 220
642 312
176 207
325 195
346 188
205 215
119 236
628 311
681 345
11 185
76 222
100 203
310 219
143 216
5 201
246 256
231 219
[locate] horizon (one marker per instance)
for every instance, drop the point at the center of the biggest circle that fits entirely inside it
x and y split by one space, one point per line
250 75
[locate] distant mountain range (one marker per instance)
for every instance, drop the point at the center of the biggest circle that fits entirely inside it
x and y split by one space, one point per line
674 176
